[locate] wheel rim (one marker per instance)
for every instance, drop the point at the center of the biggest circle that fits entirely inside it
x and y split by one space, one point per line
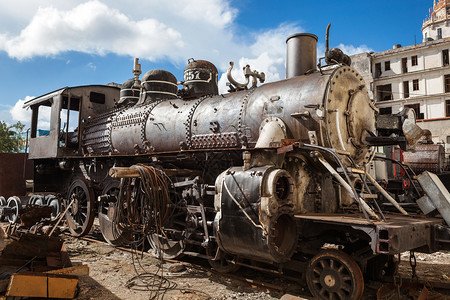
333 274
80 215
166 248
223 262
53 202
170 244
15 204
2 203
110 230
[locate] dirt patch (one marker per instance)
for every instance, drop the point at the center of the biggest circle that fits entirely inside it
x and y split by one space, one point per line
116 274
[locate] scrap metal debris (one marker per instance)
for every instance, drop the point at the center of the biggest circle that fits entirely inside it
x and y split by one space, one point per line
36 265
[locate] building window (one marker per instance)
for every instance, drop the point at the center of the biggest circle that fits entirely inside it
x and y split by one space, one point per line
405 89
445 57
447 83
439 33
405 65
416 108
414 60
384 92
448 139
385 110
415 84
447 108
377 70
387 65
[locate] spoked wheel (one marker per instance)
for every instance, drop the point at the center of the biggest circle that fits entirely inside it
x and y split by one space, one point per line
109 227
80 215
223 262
15 204
333 274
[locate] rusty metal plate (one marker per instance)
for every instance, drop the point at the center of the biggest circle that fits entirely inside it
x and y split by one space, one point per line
427 157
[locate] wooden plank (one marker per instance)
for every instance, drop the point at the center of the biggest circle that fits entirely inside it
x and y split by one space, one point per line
30 284
124 172
81 270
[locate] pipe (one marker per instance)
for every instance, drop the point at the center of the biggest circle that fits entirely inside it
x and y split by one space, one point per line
327 40
385 194
348 188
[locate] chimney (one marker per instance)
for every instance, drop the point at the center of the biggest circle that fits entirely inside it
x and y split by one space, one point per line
301 54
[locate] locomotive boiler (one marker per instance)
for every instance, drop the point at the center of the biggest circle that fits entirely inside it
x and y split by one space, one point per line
270 177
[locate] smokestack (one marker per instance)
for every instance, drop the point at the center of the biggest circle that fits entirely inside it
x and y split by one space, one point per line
301 54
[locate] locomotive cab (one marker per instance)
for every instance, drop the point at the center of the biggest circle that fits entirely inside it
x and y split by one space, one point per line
68 109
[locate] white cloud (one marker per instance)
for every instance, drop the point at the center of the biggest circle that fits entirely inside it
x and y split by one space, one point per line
12 114
267 54
20 114
154 30
347 49
351 50
90 27
92 66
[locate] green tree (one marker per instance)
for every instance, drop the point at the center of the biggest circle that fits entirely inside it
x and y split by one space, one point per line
10 137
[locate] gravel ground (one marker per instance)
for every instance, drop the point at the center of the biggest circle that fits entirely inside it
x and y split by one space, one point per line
113 276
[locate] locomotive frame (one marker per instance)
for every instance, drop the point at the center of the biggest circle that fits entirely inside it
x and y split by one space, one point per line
268 176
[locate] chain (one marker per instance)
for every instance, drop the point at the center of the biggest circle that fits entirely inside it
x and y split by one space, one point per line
413 264
397 276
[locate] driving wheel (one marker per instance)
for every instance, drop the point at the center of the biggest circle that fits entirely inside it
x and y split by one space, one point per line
333 274
80 214
109 227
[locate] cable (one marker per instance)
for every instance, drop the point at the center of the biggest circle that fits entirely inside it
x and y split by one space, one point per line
142 208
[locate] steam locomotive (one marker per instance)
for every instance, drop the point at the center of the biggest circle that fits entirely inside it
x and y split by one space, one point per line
272 177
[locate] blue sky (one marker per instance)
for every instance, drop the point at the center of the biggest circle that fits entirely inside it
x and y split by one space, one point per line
49 44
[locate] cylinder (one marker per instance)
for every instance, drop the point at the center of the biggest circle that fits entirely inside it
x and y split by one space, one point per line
301 54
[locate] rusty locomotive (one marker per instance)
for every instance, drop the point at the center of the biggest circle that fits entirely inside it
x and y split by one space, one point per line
271 177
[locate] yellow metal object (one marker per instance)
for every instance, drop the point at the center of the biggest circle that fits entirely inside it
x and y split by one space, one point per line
29 284
357 171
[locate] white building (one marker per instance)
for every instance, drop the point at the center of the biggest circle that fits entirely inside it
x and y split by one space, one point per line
416 76
436 26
